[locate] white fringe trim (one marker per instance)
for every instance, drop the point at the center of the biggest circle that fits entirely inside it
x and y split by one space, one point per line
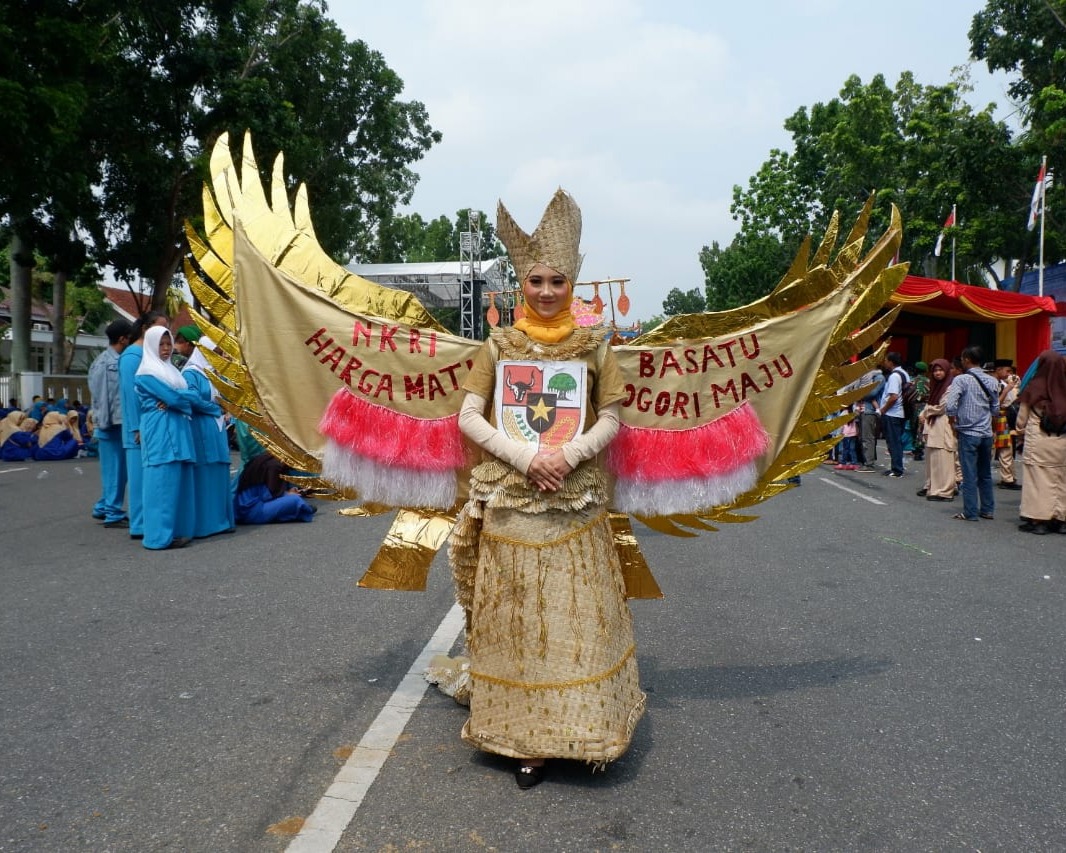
391 485
678 497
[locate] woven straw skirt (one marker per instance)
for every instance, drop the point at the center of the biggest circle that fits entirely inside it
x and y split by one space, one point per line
553 665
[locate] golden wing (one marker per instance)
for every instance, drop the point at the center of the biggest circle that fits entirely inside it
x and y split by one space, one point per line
308 352
819 318
267 294
258 275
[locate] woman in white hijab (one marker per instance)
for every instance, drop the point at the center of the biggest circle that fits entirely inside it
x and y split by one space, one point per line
165 403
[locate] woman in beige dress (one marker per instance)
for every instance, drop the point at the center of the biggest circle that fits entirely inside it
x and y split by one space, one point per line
1041 419
940 446
553 671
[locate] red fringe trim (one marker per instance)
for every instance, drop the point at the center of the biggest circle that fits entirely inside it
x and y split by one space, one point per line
393 438
711 449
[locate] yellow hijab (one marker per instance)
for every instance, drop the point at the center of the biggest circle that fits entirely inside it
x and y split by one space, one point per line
52 425
545 331
11 424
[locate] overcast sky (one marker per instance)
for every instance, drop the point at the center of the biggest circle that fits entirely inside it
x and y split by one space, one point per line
646 111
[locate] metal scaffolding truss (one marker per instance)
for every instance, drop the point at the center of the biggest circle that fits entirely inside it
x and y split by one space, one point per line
470 278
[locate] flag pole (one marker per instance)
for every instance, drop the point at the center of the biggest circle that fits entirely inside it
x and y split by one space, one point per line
953 221
1043 216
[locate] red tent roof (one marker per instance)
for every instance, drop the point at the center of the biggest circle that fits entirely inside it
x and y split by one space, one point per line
951 297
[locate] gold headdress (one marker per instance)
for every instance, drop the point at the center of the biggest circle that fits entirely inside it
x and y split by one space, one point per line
554 242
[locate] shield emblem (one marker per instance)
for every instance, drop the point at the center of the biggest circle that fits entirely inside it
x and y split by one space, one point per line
540 411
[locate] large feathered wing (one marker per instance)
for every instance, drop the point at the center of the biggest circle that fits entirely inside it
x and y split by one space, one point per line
357 386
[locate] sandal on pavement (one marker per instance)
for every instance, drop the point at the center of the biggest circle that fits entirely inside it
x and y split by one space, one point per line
962 517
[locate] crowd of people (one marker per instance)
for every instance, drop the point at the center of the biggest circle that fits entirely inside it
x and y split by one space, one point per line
47 431
161 437
960 417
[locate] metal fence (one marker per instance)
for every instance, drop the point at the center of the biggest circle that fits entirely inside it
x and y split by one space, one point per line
57 386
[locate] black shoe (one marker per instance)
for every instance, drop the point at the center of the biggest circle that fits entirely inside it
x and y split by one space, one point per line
937 498
922 492
529 777
1039 530
99 516
118 522
1014 487
180 542
137 536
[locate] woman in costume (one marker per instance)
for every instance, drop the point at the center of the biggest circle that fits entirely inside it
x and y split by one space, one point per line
553 668
212 491
55 441
165 402
1042 418
938 437
263 497
20 444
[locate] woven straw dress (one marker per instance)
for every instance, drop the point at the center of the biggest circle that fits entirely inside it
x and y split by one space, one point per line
550 636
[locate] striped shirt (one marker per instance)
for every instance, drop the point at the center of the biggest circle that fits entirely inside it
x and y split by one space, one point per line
970 405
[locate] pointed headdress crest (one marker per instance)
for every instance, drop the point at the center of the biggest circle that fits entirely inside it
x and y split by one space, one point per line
554 242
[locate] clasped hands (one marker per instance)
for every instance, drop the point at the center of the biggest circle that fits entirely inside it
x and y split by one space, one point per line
547 470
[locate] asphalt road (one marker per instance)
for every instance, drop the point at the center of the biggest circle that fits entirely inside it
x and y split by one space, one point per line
838 675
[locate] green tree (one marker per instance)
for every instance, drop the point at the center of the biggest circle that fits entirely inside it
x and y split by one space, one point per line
409 239
564 384
923 148
1027 39
745 270
279 68
651 323
54 58
691 302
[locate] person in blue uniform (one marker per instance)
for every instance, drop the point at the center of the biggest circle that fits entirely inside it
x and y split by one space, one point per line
55 441
107 425
128 363
263 497
212 492
21 443
165 403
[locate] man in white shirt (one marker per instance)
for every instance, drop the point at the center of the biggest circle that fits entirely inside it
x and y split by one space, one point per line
890 409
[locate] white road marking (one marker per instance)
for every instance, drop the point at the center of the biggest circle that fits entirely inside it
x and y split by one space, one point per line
13 470
852 491
324 827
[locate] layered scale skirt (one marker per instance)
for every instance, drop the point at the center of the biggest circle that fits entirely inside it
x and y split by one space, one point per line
553 663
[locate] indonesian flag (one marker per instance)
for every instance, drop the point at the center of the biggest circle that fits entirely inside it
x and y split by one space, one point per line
948 223
1035 207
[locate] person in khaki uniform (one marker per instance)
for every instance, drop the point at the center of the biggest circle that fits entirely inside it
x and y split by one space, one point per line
1042 419
939 437
1004 441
